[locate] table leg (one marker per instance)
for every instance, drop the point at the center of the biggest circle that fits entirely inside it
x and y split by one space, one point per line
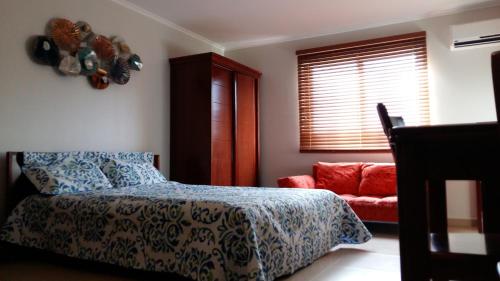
479 207
413 235
490 193
438 218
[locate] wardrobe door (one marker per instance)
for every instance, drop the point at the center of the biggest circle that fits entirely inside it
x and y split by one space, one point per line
222 126
190 109
246 131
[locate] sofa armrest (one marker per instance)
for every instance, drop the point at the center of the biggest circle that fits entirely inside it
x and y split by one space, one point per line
303 181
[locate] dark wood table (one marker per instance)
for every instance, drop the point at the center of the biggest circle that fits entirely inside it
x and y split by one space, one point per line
433 154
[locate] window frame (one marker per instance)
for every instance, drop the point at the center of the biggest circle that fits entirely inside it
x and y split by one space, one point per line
360 45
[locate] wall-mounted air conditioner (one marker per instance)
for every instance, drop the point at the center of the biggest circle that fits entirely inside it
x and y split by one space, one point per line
476 34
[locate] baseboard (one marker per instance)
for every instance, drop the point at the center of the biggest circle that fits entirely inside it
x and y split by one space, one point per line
462 222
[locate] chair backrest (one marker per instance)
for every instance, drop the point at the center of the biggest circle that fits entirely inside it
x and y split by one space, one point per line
389 122
495 69
384 119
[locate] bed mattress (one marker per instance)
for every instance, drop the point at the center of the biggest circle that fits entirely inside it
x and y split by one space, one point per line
200 232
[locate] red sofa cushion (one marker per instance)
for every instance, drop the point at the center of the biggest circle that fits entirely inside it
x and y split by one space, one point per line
340 178
304 181
373 208
378 179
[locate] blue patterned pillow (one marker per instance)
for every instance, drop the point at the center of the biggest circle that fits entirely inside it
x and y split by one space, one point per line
122 173
99 158
67 176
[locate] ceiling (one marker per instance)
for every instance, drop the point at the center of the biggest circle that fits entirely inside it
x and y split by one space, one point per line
243 23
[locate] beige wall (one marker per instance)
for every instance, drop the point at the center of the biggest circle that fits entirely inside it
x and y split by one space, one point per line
461 91
43 111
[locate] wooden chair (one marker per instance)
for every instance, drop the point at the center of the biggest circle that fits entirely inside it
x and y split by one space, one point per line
389 122
437 188
495 69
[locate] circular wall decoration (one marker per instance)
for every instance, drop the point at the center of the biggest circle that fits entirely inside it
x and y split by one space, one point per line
74 49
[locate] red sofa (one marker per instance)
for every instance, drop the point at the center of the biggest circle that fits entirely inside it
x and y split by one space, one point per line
369 188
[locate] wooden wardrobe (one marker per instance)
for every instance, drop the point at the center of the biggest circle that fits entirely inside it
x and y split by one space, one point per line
214 121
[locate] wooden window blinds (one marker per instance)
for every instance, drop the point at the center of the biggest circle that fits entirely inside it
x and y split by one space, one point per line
339 87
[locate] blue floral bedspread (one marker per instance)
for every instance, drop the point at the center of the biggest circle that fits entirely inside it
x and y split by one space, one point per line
201 232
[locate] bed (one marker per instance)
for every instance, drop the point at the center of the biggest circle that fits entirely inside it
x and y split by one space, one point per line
200 232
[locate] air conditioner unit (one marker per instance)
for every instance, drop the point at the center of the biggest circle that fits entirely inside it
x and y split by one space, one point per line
476 34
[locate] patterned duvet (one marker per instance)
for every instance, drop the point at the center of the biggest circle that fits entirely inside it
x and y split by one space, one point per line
201 232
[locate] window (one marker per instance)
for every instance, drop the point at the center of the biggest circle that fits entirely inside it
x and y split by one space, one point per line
340 86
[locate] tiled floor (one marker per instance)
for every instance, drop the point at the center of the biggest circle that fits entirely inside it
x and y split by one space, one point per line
378 259
375 260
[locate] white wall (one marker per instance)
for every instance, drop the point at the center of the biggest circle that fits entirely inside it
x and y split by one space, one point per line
43 111
461 91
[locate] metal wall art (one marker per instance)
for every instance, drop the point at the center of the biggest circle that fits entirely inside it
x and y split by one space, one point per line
76 50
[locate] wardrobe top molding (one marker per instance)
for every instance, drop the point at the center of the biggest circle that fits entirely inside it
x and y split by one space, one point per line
219 60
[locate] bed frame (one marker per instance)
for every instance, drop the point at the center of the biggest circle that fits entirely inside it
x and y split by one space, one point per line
19 187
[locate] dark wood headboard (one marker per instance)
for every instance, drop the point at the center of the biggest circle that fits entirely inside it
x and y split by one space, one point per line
18 185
